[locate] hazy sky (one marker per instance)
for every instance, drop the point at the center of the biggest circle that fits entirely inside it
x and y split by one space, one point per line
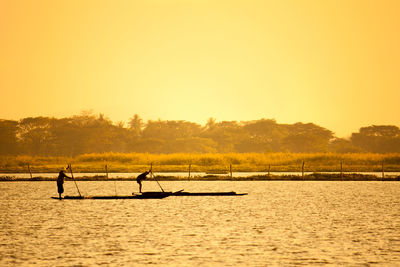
333 63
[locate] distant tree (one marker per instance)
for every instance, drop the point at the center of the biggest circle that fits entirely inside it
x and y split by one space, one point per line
120 124
190 145
149 145
377 139
90 133
35 136
171 130
390 131
340 145
99 135
264 136
210 123
136 125
307 138
253 144
226 134
8 139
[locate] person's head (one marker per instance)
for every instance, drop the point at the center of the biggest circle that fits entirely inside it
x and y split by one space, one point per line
62 171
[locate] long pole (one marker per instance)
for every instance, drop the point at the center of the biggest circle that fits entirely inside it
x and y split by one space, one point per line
72 175
152 175
158 183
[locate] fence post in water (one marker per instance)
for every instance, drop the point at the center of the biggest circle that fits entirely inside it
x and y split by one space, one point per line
383 171
189 171
230 169
29 169
341 170
106 171
302 170
269 170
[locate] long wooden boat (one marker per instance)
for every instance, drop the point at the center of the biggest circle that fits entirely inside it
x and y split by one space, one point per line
181 193
156 195
144 195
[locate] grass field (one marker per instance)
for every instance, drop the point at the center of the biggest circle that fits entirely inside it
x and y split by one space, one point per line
249 162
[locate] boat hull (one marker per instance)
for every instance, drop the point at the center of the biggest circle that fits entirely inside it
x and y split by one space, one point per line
147 195
208 194
156 195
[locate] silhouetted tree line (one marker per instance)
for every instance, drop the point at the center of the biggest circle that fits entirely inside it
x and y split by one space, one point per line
88 133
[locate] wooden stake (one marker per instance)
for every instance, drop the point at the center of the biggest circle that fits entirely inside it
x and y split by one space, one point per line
189 171
383 171
115 183
269 169
30 172
302 170
341 170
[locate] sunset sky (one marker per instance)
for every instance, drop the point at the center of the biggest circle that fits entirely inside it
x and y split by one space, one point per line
333 63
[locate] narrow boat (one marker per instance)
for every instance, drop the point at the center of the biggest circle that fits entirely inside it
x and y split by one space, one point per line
181 193
157 195
144 195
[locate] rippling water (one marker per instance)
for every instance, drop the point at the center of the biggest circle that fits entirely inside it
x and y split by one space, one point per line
278 223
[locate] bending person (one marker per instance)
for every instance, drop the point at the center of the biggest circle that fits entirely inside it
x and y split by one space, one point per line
140 178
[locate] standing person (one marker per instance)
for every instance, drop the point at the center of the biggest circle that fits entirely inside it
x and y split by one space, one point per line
60 182
140 178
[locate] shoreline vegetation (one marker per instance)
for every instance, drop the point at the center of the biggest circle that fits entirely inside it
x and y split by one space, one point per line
316 165
91 133
271 177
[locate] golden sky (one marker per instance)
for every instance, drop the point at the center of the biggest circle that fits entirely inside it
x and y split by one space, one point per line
333 63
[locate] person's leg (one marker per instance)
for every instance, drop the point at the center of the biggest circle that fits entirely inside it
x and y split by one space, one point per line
140 187
60 190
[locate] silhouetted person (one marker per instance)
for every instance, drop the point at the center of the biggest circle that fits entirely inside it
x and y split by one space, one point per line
140 178
60 182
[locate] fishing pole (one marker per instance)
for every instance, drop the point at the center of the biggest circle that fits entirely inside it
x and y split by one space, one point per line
72 175
152 175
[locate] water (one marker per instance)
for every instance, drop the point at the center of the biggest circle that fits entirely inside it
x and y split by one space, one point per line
281 223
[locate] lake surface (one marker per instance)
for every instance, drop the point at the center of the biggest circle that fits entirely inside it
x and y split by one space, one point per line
279 223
